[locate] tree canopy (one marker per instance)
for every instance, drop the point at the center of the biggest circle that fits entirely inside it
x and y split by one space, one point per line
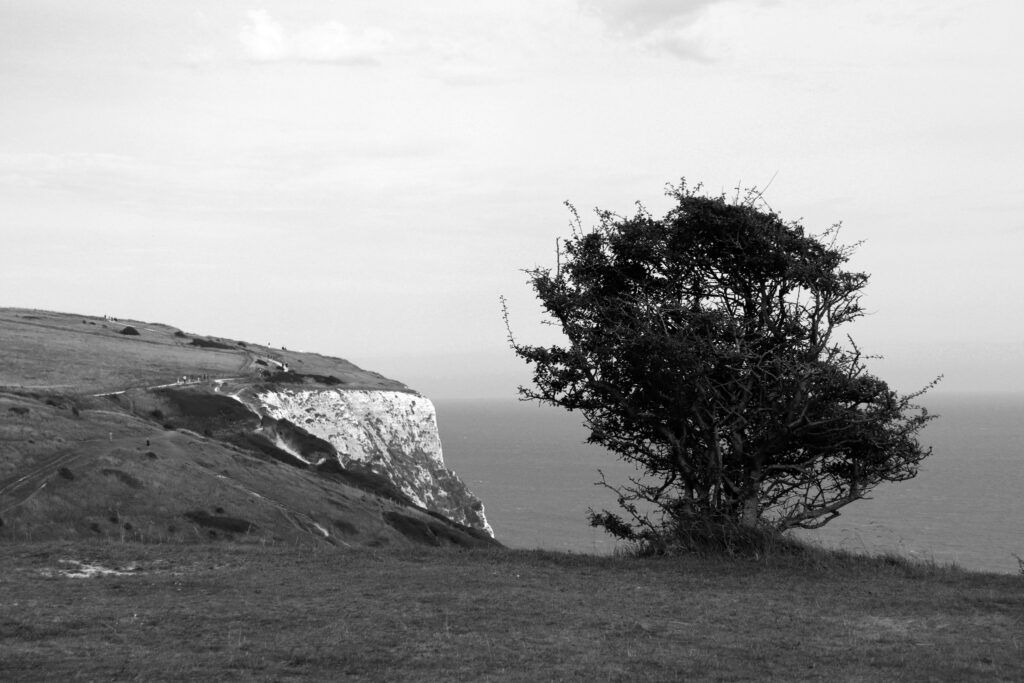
702 346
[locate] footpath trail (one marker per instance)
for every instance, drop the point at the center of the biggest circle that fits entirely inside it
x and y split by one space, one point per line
216 381
17 490
246 366
20 488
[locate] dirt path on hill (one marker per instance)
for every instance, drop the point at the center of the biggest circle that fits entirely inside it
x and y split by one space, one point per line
213 380
18 489
24 485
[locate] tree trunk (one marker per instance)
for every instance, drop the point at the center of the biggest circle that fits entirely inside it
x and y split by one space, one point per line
748 517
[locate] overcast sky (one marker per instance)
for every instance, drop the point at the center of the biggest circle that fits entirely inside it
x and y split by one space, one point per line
364 179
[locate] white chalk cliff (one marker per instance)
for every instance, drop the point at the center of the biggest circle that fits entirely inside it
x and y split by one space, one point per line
392 432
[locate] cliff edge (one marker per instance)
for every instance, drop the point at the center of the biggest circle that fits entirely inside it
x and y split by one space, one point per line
140 429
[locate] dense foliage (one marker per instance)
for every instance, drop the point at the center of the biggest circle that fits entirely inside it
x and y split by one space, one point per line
701 347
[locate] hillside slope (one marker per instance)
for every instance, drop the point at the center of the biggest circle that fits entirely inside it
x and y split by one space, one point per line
146 436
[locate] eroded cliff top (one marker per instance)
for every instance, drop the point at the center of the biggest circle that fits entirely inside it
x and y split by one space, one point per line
71 353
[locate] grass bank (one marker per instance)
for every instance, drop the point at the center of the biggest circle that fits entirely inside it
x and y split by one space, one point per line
250 612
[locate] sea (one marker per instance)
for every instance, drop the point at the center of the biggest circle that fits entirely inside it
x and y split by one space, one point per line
537 477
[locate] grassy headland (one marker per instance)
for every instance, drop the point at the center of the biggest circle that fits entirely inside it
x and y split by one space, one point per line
140 437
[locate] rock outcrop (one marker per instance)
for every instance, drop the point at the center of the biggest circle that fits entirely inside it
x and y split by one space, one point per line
393 433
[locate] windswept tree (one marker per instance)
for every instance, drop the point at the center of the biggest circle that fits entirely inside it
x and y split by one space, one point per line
702 347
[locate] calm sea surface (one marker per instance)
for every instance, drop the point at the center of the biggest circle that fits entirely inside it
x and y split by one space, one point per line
536 478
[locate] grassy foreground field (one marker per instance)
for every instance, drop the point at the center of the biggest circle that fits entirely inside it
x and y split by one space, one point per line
252 612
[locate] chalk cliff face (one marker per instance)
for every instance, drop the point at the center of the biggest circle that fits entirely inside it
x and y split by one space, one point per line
392 432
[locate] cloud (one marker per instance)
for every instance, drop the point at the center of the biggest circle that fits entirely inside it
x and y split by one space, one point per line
640 17
695 30
264 39
685 44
